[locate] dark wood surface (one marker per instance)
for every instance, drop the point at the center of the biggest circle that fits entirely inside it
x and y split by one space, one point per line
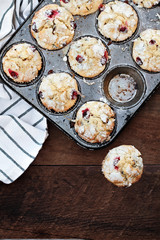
63 194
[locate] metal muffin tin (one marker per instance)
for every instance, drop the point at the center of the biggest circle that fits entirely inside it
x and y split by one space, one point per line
121 62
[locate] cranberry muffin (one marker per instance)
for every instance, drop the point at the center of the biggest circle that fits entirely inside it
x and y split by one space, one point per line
81 7
22 63
58 92
117 21
88 57
95 122
53 27
146 50
123 165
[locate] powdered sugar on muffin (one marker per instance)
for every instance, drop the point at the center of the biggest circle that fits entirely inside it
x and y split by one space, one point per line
22 62
53 27
94 122
146 3
146 50
123 165
81 7
118 21
88 57
58 92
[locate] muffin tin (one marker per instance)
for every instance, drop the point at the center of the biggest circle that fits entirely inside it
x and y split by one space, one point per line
93 89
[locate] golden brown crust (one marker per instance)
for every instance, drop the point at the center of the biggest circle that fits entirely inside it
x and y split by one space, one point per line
88 57
53 27
123 165
95 122
81 7
58 92
22 63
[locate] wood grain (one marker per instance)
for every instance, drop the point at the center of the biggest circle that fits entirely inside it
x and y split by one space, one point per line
142 131
78 202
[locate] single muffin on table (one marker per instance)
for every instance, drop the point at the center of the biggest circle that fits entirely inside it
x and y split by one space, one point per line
117 21
146 50
88 57
81 7
53 27
22 63
58 92
95 122
123 165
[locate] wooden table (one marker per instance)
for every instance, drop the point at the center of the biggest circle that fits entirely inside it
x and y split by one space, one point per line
63 194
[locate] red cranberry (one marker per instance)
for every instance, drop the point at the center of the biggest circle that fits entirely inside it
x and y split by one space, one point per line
104 59
13 73
101 7
139 61
115 162
152 42
50 71
79 58
51 13
65 1
86 113
123 29
74 95
106 55
73 25
34 27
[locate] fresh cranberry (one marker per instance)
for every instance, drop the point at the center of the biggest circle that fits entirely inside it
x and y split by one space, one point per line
86 113
74 95
104 59
123 29
65 1
152 42
73 25
106 55
34 27
79 58
52 13
13 73
50 71
101 7
115 162
139 61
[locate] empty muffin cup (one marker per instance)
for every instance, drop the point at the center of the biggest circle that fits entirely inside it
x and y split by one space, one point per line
124 86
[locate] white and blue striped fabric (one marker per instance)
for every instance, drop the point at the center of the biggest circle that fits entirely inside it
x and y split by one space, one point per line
23 130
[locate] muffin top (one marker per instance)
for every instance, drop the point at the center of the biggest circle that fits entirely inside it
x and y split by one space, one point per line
146 50
118 21
146 3
53 27
88 56
22 62
58 92
123 165
81 7
94 122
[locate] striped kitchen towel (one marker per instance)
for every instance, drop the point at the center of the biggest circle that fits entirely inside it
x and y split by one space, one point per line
23 130
12 15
